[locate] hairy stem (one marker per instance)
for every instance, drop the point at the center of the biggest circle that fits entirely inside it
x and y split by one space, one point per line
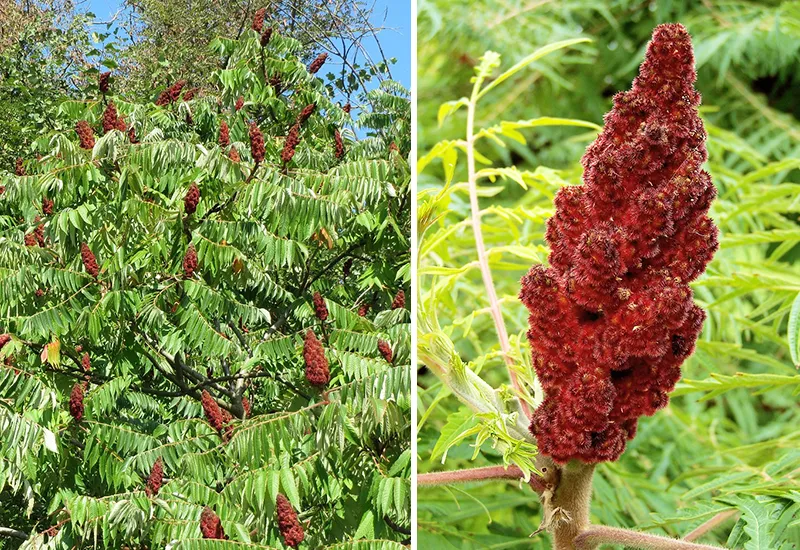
478 474
593 537
567 511
713 523
483 259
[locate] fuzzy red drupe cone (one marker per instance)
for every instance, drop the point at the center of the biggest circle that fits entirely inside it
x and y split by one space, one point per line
317 369
210 525
102 82
38 233
76 402
288 524
189 95
306 113
30 240
47 206
155 479
320 309
290 145
192 199
266 36
612 318
246 406
110 117
258 19
212 411
4 339
338 144
317 64
399 301
233 154
19 168
386 350
363 309
239 103
86 362
85 134
276 83
224 134
393 148
132 136
189 262
175 90
256 143
347 108
122 126
89 261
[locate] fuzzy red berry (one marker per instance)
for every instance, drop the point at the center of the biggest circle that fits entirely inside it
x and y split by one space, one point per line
317 64
233 154
76 402
363 309
266 36
38 233
386 350
47 206
317 369
155 479
276 83
338 145
189 262
399 301
19 169
320 309
246 406
110 117
306 113
122 126
212 411
30 240
224 134
393 148
192 199
89 261
175 90
189 95
85 134
132 136
258 19
102 82
612 318
288 524
211 525
347 107
86 362
256 143
4 339
239 103
290 145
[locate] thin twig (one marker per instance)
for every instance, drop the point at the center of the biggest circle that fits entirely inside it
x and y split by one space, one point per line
479 474
593 537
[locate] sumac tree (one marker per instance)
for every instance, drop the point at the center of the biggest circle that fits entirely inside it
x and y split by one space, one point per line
154 387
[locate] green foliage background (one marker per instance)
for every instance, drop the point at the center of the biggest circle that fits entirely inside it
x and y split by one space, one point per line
729 438
268 235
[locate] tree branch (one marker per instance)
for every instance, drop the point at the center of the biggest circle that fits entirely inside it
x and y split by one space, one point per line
479 474
13 533
592 538
710 524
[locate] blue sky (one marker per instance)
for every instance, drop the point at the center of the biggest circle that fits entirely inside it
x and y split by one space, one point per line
395 40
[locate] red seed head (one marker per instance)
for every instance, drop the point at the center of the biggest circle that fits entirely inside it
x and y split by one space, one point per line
39 234
30 240
307 111
110 117
224 134
76 402
175 90
155 479
19 169
189 262
86 363
258 19
192 199
276 83
239 103
163 98
212 411
210 525
399 301
290 145
347 107
612 318
4 339
257 149
102 82
320 309
122 126
288 524
317 369
89 261
386 350
85 134
132 136
266 36
317 64
47 206
338 145
393 148
246 406
233 154
363 309
190 93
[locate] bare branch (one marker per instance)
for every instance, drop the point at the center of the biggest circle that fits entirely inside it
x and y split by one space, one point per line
592 538
479 474
13 533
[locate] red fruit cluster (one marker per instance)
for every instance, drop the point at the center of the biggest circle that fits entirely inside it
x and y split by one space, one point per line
122 126
290 145
306 113
347 108
288 524
89 261
210 525
212 411
320 309
317 369
38 233
192 199
266 36
102 82
19 169
189 262
233 154
393 148
47 206
76 402
224 134
258 19
4 339
399 301
276 83
171 94
246 406
317 64
30 240
363 309
338 144
386 350
189 95
132 136
85 134
86 362
612 318
155 479
239 103
110 117
257 149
